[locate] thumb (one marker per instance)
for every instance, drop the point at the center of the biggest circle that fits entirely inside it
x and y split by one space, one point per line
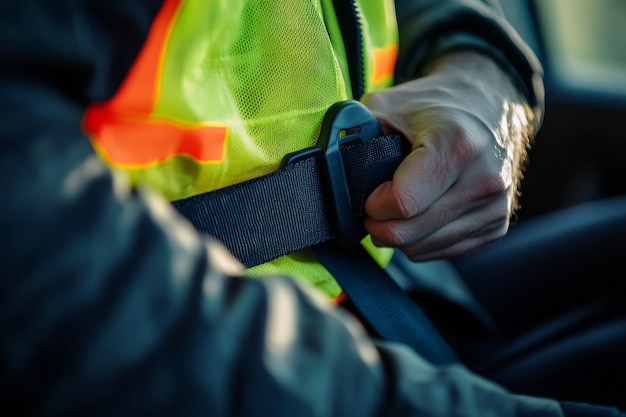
412 190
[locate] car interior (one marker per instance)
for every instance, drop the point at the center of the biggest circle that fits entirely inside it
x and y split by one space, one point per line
578 154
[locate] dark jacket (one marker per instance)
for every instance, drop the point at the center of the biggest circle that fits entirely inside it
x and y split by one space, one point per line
111 305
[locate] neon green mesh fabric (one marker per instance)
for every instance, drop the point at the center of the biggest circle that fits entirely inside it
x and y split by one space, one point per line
270 72
266 69
246 67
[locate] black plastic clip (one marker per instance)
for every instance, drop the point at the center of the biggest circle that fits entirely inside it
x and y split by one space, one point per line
345 123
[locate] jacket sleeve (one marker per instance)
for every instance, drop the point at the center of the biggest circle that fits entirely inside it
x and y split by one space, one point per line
110 304
431 28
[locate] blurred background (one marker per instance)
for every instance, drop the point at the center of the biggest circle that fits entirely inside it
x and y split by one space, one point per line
580 152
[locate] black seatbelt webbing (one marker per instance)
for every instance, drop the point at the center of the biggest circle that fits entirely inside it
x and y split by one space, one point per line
392 314
291 208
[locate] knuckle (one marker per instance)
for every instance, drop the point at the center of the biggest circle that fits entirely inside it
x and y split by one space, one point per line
403 203
498 229
492 185
395 235
464 147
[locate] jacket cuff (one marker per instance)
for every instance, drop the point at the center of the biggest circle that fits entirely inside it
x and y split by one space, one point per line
429 33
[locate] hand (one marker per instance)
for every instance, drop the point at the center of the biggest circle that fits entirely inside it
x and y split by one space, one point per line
455 192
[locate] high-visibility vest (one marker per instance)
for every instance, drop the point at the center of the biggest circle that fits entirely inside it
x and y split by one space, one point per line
222 90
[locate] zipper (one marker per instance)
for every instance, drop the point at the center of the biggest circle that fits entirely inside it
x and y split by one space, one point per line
351 28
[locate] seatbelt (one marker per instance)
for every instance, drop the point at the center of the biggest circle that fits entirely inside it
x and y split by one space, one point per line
316 200
317 195
388 310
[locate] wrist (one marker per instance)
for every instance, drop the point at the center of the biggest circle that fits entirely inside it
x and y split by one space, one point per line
486 87
479 70
428 33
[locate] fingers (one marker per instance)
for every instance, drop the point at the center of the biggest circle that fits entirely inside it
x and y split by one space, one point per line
462 220
457 249
464 234
415 187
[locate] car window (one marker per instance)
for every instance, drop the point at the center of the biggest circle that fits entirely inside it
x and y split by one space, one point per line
585 41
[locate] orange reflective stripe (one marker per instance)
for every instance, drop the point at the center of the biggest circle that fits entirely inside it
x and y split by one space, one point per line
139 92
123 128
140 142
384 63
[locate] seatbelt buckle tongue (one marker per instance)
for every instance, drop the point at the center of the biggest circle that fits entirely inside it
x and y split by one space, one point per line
345 123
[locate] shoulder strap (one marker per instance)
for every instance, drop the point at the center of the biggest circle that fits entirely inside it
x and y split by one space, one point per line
386 308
